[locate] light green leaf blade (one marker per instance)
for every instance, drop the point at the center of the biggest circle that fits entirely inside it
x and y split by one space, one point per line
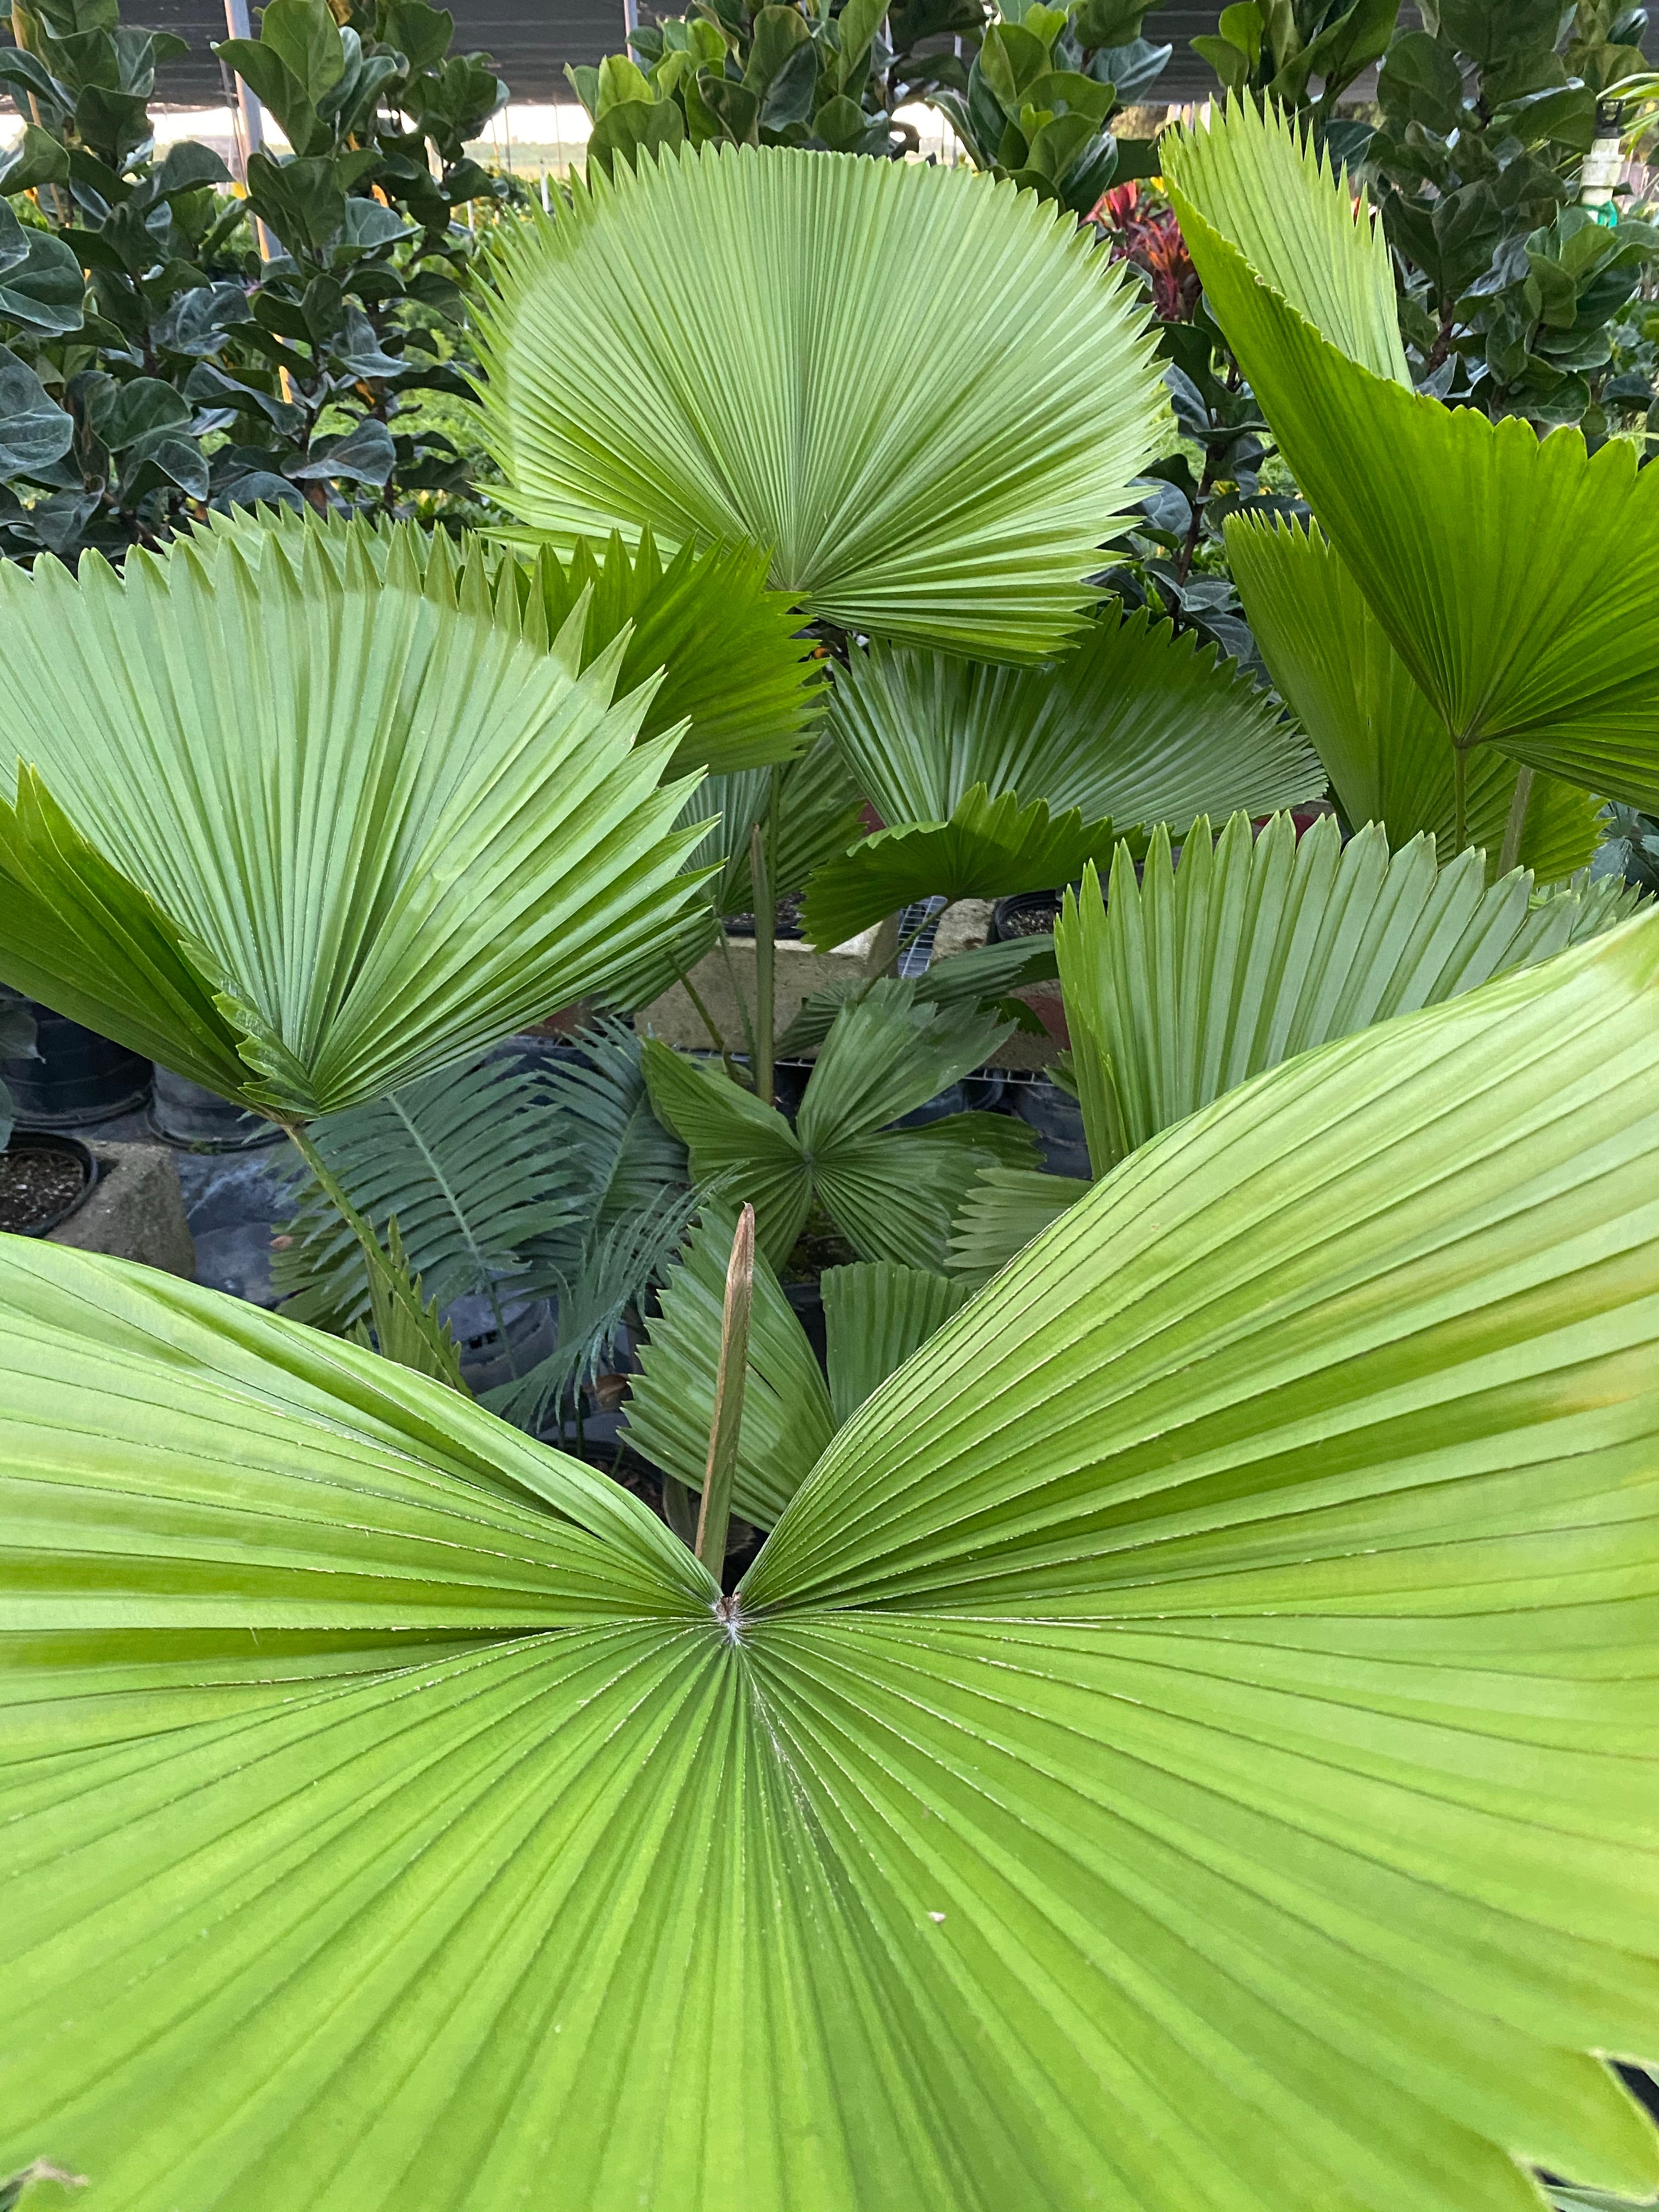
734 677
887 1056
1136 724
990 848
891 1193
1480 549
729 1133
874 1317
1387 751
786 1417
737 685
1001 1212
379 823
1188 1741
803 374
1253 949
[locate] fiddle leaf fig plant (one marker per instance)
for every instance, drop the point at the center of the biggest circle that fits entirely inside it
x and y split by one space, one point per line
1180 1742
153 363
1043 90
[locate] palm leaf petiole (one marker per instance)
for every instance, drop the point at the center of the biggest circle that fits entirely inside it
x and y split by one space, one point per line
765 964
1514 827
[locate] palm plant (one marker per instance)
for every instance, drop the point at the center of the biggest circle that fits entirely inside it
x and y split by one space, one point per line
993 779
1381 743
1184 984
939 467
306 816
1181 1742
875 1315
1480 548
890 1192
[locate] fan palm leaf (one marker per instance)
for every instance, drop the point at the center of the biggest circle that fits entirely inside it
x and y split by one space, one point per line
993 780
1182 984
306 827
890 1192
1002 1213
737 684
1482 548
1187 1740
761 345
1383 745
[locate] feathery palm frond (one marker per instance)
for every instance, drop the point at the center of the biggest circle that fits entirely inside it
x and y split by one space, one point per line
479 1177
598 1294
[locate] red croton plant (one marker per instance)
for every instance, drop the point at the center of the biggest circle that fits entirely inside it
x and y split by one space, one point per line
1148 234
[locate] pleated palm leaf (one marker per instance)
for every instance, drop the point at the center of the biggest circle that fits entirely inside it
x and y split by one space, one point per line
875 1315
761 345
890 1192
1187 979
1382 745
993 780
734 680
1184 984
300 818
1187 1741
496 1174
1484 551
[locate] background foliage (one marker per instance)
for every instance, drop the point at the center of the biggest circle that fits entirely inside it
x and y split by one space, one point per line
154 364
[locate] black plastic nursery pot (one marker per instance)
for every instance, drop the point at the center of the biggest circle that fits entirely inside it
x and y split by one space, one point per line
44 1176
1027 914
197 1120
79 1078
1050 1109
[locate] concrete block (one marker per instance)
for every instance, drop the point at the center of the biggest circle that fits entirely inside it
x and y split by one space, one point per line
797 973
136 1210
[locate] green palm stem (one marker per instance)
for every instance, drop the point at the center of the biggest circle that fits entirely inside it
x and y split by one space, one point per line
737 994
721 1473
1514 827
1460 795
684 975
390 1287
765 961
